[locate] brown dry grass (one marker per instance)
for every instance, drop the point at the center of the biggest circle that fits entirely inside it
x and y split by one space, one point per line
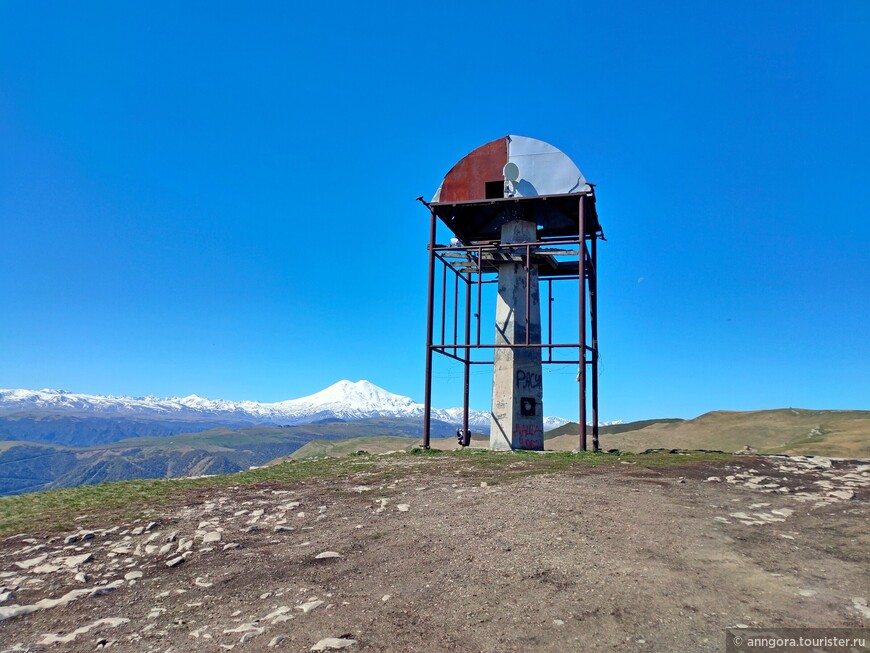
841 434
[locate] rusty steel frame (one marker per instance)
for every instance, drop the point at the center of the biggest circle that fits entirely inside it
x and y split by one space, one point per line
467 262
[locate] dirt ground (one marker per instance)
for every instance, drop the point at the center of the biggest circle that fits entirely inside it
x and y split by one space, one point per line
448 555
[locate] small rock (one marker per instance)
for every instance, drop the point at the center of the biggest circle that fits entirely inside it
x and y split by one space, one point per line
403 507
32 562
214 536
45 569
845 495
807 593
69 539
69 637
75 561
133 575
276 640
175 561
231 546
283 529
334 643
859 603
278 615
251 635
309 606
386 597
327 554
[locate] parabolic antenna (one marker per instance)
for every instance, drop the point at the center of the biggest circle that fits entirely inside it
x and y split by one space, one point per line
533 168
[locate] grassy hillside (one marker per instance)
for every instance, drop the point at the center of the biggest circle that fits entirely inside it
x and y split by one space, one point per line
66 509
28 466
336 448
572 428
836 433
375 445
840 434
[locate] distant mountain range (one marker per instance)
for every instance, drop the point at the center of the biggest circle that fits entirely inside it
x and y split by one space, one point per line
53 439
32 466
67 418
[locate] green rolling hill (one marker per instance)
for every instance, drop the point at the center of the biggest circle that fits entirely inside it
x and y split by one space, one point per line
836 433
29 466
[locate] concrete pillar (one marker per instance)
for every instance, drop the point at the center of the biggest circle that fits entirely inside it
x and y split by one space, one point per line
517 382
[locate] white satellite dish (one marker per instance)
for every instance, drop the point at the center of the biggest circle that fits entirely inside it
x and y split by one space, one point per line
511 171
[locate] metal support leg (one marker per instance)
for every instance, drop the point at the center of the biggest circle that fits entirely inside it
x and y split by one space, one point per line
593 326
467 370
582 327
430 309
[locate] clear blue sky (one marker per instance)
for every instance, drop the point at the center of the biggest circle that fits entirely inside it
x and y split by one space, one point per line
219 199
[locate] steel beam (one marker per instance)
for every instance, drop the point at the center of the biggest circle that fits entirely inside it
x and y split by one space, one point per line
430 309
593 327
467 367
581 300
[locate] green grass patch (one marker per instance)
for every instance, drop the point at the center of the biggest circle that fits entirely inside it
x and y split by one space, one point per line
58 510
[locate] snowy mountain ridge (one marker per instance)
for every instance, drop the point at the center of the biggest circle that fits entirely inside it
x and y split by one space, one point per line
343 400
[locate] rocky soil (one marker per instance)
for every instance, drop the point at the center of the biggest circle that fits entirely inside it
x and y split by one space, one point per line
451 555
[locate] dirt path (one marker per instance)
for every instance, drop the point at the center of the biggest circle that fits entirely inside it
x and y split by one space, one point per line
454 556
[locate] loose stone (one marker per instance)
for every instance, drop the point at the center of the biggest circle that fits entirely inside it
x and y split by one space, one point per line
332 643
309 606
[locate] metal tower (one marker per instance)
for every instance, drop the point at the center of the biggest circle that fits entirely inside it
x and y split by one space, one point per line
523 216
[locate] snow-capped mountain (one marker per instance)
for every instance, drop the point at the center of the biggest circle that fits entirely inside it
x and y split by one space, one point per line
343 400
